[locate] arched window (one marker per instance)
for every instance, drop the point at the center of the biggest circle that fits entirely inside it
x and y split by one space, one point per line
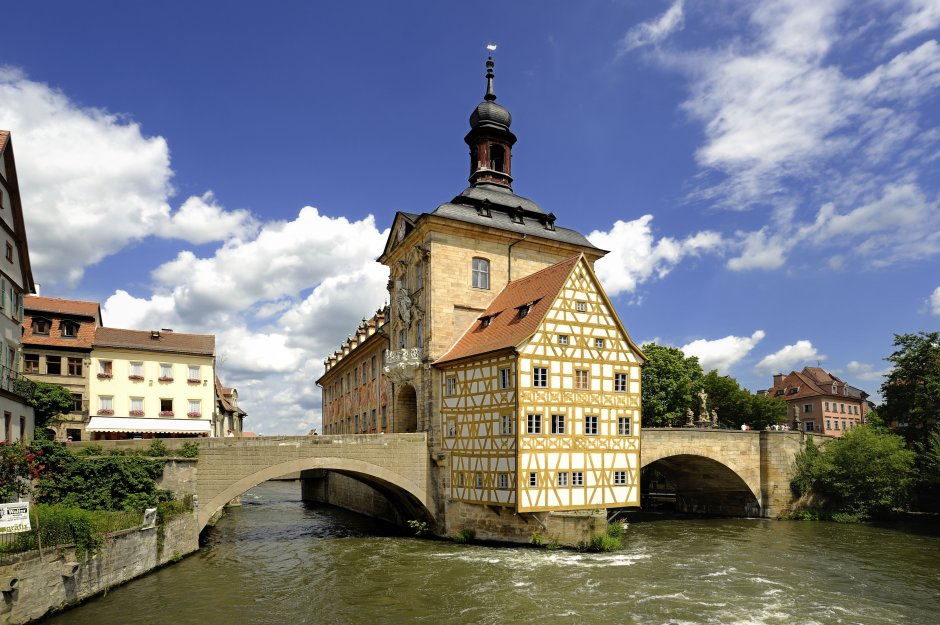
481 273
497 157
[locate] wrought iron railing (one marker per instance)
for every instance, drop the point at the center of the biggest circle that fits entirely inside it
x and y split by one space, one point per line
15 383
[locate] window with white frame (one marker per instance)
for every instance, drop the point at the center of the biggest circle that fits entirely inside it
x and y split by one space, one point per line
582 379
106 403
599 343
620 478
534 424
451 385
166 372
623 426
807 407
104 368
505 378
540 377
562 339
137 371
503 481
580 306
137 406
620 382
481 273
533 479
562 478
505 425
558 424
195 408
827 406
577 478
194 374
590 425
451 427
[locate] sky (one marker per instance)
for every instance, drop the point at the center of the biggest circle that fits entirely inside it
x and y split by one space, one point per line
765 174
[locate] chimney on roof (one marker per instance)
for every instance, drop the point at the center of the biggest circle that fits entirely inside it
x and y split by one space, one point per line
778 379
155 335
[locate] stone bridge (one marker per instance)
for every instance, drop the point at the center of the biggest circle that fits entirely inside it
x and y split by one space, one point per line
395 465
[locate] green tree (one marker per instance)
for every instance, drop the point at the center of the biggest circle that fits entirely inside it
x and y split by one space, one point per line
727 398
49 401
763 410
670 381
19 465
865 473
911 391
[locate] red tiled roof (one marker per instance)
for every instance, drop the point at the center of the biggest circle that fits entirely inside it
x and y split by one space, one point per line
506 328
82 340
4 135
62 306
173 342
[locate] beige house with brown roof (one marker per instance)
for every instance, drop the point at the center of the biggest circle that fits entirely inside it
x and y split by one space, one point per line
150 384
820 402
57 340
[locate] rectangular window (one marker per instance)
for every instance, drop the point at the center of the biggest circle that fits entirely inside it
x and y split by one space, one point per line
582 379
195 408
54 365
401 339
479 479
166 407
75 366
505 425
620 382
540 377
599 343
9 252
827 407
562 478
194 375
460 480
807 407
809 426
562 339
451 385
533 479
356 376
843 425
534 424
558 424
137 406
384 417
580 306
837 424
828 424
577 478
505 379
373 368
372 419
481 273
590 425
842 406
166 372
623 426
620 478
68 329
137 371
77 402
105 405
7 426
451 427
503 481
30 363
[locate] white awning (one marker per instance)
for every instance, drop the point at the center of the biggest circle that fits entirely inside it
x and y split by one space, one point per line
143 424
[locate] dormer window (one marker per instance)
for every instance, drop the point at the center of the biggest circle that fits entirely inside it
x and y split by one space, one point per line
485 321
41 326
516 216
835 389
549 225
69 329
525 308
483 210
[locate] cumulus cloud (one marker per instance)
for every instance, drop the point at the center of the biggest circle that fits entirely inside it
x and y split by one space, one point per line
934 302
92 183
636 255
789 358
722 354
654 31
865 372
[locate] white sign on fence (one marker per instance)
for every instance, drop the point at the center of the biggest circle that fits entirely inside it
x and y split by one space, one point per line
150 518
14 517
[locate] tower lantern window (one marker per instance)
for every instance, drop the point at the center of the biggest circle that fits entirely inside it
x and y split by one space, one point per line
497 158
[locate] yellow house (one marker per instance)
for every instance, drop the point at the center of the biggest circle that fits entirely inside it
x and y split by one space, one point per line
540 403
151 384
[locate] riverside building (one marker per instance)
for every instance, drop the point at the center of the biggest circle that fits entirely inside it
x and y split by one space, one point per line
504 348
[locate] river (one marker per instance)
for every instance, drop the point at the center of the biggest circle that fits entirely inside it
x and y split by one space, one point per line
277 560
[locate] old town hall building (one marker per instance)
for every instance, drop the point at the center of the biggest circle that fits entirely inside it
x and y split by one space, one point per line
502 345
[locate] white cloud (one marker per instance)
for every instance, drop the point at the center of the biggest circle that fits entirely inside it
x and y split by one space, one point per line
924 16
789 358
865 372
934 302
654 31
722 354
92 183
636 255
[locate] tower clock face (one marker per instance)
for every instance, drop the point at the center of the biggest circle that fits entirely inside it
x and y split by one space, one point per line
401 231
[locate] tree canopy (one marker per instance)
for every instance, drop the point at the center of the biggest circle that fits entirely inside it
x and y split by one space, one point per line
669 383
911 392
49 401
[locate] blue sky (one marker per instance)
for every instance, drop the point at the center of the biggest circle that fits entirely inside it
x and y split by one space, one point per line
766 174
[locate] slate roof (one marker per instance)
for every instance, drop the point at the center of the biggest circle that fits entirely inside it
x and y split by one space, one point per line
55 305
171 342
506 328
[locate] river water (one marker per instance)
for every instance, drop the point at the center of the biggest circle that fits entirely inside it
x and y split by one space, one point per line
277 560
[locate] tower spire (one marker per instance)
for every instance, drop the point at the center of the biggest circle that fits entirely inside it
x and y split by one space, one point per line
490 93
490 139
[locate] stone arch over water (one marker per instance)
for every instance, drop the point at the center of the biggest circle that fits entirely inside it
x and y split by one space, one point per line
702 485
398 489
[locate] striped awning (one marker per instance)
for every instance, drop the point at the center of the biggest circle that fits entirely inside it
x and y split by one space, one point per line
147 425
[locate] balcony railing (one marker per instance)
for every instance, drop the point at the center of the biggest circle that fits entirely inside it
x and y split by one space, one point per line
13 382
401 365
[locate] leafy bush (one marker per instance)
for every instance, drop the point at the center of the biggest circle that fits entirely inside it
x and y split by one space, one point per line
18 465
465 535
615 529
603 542
537 539
90 450
189 449
158 449
420 528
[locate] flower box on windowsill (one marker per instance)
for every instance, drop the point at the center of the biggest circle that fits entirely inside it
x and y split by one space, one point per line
136 378
104 376
164 378
166 413
194 381
105 411
136 413
194 414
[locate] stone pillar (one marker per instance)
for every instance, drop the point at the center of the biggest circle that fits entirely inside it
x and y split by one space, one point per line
778 452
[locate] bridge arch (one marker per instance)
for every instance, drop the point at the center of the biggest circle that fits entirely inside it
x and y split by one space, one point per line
392 485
